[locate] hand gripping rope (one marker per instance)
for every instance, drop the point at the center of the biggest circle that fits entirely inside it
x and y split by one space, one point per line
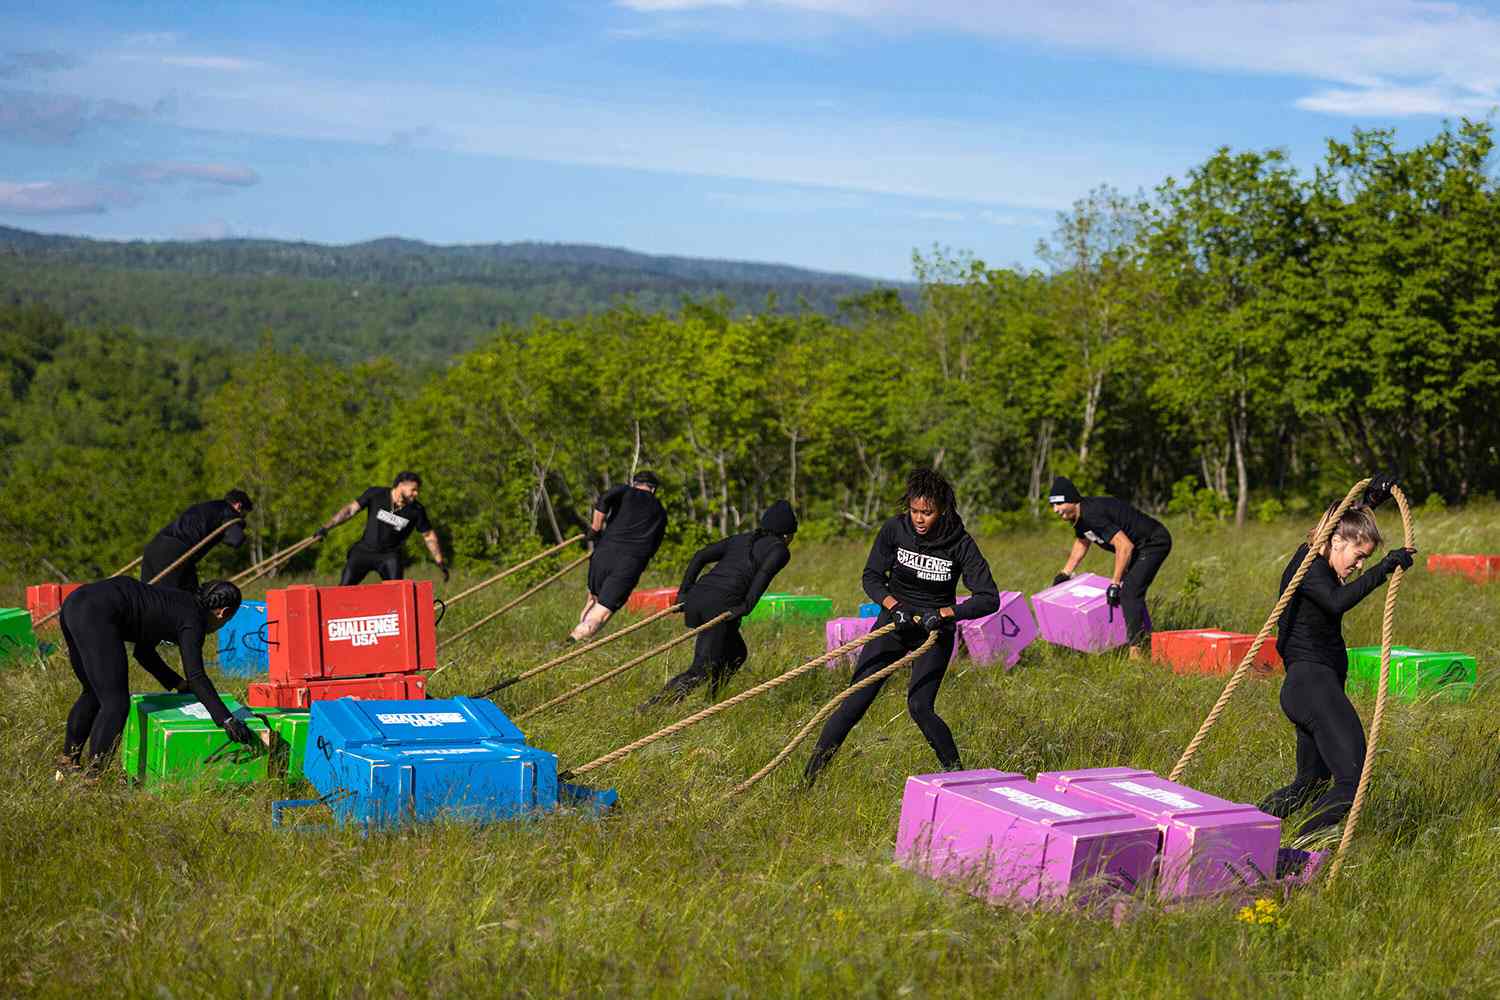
506 607
628 664
1387 626
726 704
571 654
826 711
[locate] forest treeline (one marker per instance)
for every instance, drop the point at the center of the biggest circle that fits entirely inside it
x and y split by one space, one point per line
1245 338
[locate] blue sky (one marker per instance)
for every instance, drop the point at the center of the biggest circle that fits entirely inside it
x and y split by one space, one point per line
835 134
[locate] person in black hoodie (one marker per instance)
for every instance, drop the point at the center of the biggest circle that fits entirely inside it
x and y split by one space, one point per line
1310 639
98 619
627 529
188 529
744 566
913 573
1140 544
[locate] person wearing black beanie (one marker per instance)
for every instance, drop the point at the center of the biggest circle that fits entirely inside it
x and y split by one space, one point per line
1140 544
913 573
744 566
189 528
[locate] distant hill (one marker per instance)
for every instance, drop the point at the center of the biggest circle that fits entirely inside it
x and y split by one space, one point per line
404 298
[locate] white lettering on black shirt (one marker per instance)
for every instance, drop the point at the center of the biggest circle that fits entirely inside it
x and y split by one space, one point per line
396 521
926 567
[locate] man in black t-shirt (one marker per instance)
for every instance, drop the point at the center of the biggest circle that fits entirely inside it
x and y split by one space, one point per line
627 529
392 514
1140 544
187 530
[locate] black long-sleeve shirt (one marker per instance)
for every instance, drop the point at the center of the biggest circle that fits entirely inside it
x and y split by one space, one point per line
744 566
146 615
202 519
1311 627
924 570
635 521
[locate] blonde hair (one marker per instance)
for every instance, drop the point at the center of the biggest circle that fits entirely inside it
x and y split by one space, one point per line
1357 526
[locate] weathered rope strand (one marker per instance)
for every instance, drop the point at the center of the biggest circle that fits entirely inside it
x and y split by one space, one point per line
1265 631
1387 628
272 562
572 654
726 704
627 665
512 603
128 566
507 572
827 710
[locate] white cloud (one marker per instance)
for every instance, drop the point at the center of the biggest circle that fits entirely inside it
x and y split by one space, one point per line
936 215
227 64
60 198
166 172
1397 102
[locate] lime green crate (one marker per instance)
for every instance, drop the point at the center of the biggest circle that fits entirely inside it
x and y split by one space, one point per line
170 738
1415 673
289 748
17 641
791 607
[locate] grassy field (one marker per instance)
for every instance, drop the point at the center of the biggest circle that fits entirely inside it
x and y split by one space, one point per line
787 892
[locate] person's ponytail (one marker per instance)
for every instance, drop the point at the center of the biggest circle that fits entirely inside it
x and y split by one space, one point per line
218 594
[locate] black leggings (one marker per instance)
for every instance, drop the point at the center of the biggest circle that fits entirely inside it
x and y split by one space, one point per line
921 695
1138 576
1330 744
360 563
97 652
161 552
718 653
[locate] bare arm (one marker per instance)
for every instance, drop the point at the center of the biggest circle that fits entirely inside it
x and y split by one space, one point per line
598 522
1124 549
1080 549
433 548
344 513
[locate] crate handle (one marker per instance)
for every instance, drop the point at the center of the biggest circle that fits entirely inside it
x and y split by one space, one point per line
1014 629
261 634
442 607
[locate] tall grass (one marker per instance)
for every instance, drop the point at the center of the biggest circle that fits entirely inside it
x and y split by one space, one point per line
789 892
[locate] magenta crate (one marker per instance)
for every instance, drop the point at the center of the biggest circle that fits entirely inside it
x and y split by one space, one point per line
838 631
1019 841
1075 614
1002 635
1209 845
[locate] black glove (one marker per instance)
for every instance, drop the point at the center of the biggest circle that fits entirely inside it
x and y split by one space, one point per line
742 610
1112 595
1061 578
237 731
443 567
1379 490
320 534
934 621
1395 558
906 619
184 688
591 534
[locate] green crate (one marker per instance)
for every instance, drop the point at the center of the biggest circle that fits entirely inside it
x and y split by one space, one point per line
791 607
17 641
1415 673
170 738
291 728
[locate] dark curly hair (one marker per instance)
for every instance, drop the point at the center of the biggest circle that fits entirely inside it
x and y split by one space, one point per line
929 484
217 594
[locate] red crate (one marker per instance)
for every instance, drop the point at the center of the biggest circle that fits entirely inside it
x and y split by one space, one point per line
1480 569
44 598
652 600
1210 651
320 633
388 687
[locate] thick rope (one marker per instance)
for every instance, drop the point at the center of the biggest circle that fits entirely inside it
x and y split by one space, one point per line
627 665
207 540
827 710
726 704
506 607
1387 627
1265 631
128 566
571 654
272 562
514 569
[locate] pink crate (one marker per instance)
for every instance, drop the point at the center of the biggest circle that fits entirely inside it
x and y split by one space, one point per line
1209 844
1075 614
1020 841
837 631
1002 635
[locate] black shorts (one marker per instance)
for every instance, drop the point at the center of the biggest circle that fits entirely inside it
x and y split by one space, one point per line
361 563
613 575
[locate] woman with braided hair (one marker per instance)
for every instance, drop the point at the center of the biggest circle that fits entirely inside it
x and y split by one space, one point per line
913 573
98 619
1310 639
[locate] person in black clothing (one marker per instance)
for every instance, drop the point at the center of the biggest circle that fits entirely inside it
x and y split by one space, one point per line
98 619
744 566
1140 544
627 529
913 573
392 515
188 529
1310 639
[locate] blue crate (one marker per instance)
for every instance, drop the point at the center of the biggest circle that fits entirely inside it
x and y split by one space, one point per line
869 609
242 642
386 762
